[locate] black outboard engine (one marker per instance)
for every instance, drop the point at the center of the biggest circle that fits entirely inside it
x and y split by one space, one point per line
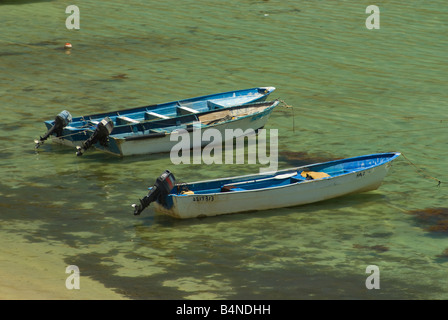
162 187
60 122
101 135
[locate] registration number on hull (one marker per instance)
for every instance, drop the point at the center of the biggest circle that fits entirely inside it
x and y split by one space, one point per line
203 198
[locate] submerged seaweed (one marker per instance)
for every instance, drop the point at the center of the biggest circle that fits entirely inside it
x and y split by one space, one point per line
378 248
444 254
432 219
3 54
120 76
45 43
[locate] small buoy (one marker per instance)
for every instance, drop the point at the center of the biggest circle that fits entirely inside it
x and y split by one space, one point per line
68 45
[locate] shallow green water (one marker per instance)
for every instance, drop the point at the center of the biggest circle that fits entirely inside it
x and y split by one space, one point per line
354 91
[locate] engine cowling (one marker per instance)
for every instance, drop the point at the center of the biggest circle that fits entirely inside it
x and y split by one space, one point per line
162 187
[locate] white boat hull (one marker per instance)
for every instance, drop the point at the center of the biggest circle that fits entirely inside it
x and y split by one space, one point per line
305 192
76 130
246 119
164 144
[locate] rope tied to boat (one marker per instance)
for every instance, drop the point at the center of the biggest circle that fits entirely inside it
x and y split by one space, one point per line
425 175
292 111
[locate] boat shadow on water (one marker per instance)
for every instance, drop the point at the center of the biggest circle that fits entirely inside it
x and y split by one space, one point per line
307 211
285 158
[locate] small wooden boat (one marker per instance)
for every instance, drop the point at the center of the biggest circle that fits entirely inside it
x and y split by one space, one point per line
73 131
162 136
286 188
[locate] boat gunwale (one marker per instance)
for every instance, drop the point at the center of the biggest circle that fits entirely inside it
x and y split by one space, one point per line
129 133
393 156
87 118
268 109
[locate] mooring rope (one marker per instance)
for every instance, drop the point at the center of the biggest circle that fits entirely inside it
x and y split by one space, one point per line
362 112
292 111
425 175
369 133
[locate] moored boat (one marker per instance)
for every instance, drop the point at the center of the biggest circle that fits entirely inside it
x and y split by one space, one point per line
65 129
164 135
285 188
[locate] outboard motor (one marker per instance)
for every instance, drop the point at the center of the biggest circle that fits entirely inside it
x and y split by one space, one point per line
162 187
60 122
101 135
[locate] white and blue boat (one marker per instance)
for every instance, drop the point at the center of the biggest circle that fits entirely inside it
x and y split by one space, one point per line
285 188
162 136
65 129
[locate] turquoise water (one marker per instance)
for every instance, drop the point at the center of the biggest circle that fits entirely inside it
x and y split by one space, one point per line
353 91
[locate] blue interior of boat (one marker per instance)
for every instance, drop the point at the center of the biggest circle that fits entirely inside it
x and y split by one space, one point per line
229 185
172 109
332 168
130 116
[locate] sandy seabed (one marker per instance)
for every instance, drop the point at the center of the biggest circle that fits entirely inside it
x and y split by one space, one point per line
29 273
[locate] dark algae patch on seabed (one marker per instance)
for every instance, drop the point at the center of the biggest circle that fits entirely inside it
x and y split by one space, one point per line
432 219
435 221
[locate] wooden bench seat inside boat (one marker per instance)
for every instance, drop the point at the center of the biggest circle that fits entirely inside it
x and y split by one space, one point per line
183 110
214 106
150 115
275 181
121 120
